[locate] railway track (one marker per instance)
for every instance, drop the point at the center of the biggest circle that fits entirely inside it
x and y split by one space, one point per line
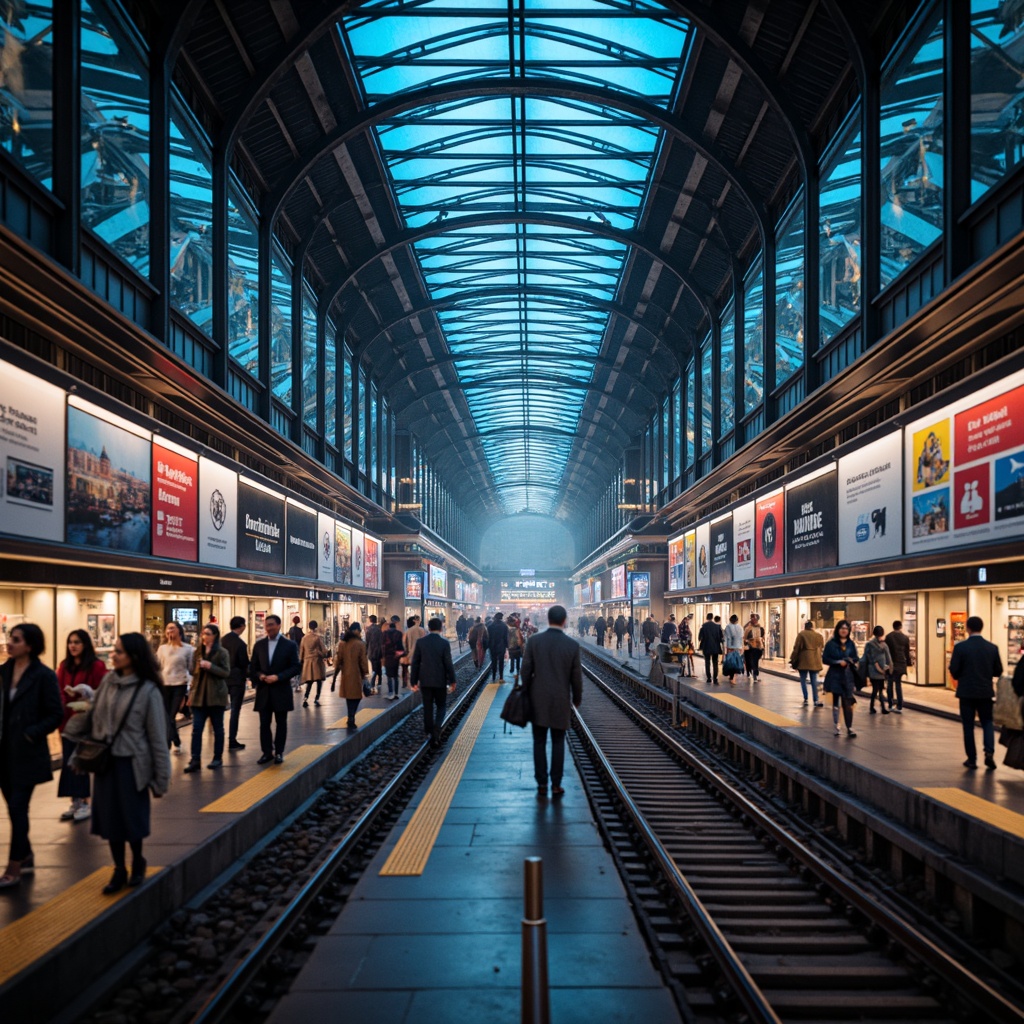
747 918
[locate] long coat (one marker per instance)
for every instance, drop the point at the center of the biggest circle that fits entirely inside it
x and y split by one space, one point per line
210 685
553 678
353 667
25 723
710 638
839 679
432 663
285 665
807 650
314 657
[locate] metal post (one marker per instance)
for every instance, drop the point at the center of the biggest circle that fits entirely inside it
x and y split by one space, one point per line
675 699
536 1000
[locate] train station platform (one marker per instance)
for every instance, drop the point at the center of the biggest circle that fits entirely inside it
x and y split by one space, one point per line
431 931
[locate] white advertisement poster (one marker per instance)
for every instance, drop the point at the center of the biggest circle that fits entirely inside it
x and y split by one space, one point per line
32 448
743 542
218 514
704 555
358 558
964 469
325 547
871 502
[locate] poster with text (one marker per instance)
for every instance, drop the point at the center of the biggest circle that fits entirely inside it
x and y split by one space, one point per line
676 564
690 558
639 584
414 585
977 443
371 562
32 449
704 555
812 527
302 558
358 558
438 580
325 547
721 551
769 539
342 554
261 529
218 514
175 504
618 582
743 542
870 487
108 485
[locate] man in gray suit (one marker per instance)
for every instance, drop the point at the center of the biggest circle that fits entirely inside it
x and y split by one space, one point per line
553 680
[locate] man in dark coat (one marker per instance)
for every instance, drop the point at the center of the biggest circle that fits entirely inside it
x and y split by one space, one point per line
238 652
497 644
973 664
668 630
553 679
374 640
600 628
650 633
620 630
432 669
899 650
275 663
710 640
295 634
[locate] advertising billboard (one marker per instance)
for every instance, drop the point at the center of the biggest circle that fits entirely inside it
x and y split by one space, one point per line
32 437
261 528
302 556
325 547
414 585
690 558
577 594
438 580
812 527
743 542
639 584
676 564
597 591
618 582
342 554
721 550
358 558
588 593
527 589
703 549
175 502
371 562
769 535
218 514
870 488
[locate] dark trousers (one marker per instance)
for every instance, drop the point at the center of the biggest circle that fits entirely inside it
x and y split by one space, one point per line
71 783
375 679
200 716
711 666
515 661
319 687
353 707
236 694
752 660
433 711
497 665
275 745
540 755
17 799
173 696
982 707
896 683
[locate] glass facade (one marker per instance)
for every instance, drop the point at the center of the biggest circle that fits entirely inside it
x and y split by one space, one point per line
115 137
839 252
727 371
364 394
374 461
243 284
789 293
666 447
310 362
26 86
346 402
678 432
911 126
330 384
281 329
707 388
753 341
691 413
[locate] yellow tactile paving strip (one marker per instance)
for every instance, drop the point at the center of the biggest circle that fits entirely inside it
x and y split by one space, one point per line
363 715
411 852
977 807
33 936
754 709
273 775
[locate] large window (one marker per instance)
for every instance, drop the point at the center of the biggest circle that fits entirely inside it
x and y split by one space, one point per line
243 284
666 451
191 220
310 362
346 401
706 391
691 413
753 341
839 251
26 86
679 432
374 438
281 329
997 118
727 371
789 293
364 395
911 145
115 136
331 384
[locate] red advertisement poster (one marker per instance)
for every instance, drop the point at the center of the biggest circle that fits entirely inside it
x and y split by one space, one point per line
990 428
971 500
371 562
769 534
175 505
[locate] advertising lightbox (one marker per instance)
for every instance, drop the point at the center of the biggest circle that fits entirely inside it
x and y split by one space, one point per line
870 487
175 502
618 583
812 528
325 547
218 514
438 580
721 550
743 542
676 564
371 562
302 558
342 554
261 528
769 535
358 558
703 549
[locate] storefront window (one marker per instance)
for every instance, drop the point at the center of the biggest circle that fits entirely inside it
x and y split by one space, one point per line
191 221
706 390
911 149
789 293
727 370
839 257
310 362
281 329
753 341
26 87
115 137
243 284
330 384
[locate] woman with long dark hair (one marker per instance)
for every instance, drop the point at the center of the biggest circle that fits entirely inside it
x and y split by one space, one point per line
129 713
211 666
30 710
840 654
80 667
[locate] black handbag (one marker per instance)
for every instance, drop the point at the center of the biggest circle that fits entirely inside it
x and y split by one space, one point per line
367 688
96 756
517 707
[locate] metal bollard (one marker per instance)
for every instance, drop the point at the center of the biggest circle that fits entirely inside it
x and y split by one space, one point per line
536 999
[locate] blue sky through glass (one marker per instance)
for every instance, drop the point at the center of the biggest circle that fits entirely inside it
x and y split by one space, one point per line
527 322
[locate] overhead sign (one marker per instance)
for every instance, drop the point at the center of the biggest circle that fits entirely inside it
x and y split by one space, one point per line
870 487
218 514
523 590
769 535
812 533
175 502
721 550
261 528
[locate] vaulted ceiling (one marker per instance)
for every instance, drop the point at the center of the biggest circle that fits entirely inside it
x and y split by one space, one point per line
522 213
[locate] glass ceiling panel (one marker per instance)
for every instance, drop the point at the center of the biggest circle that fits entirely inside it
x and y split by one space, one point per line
526 297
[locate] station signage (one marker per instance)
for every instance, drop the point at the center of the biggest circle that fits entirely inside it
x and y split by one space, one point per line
302 549
175 502
261 528
812 529
531 590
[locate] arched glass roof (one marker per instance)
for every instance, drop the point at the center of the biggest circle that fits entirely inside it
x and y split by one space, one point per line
529 318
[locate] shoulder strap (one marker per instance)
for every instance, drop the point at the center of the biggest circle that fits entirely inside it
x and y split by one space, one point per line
138 687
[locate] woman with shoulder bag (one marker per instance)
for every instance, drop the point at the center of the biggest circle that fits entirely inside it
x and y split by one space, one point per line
211 666
30 709
129 714
840 654
355 670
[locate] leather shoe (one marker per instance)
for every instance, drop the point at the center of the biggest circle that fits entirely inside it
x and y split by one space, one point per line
234 745
138 875
557 791
192 766
216 763
265 759
118 880
970 764
990 763
278 758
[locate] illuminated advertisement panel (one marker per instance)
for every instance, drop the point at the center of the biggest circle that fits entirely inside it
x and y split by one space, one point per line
690 558
302 557
438 581
527 589
743 542
358 558
812 527
342 553
175 502
414 585
721 550
769 535
676 564
325 547
218 514
618 582
577 594
371 562
703 550
870 490
261 528
639 586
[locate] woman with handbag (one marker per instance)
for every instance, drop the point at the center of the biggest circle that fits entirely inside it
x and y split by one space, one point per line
840 654
174 657
732 664
30 709
355 670
129 716
211 666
